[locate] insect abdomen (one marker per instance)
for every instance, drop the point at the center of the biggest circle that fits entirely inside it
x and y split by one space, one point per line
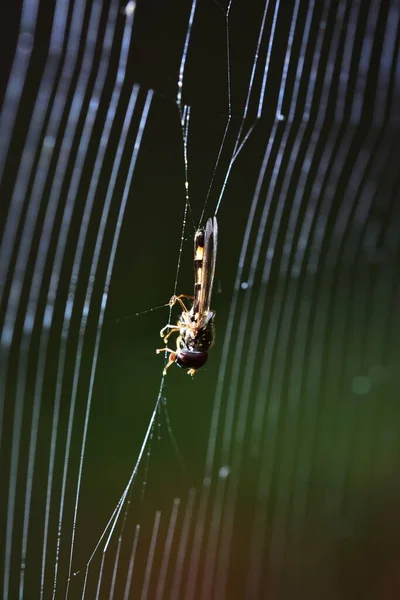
188 359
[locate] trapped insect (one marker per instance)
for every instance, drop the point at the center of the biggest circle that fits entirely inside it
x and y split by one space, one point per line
195 326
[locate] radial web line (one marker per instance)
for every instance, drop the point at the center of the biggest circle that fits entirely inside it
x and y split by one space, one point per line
105 298
294 154
184 55
296 205
167 550
126 501
183 544
197 542
184 113
131 563
72 194
89 121
30 148
286 320
150 557
269 435
290 405
42 171
17 77
222 144
359 173
386 66
110 526
334 497
287 324
116 513
185 117
172 438
13 219
226 517
239 145
313 240
50 215
7 336
32 143
375 161
42 360
121 534
80 246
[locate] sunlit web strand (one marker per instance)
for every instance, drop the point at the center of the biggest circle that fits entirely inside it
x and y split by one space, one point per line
301 321
131 563
160 594
17 77
365 59
306 229
8 332
105 293
260 404
72 195
45 333
117 512
388 61
277 220
286 321
334 497
33 139
41 172
108 528
19 197
196 546
239 278
183 544
98 86
293 216
229 91
230 494
51 212
125 501
230 486
150 556
185 115
259 530
238 143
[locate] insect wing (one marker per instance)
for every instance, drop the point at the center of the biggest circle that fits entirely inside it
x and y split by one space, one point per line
205 255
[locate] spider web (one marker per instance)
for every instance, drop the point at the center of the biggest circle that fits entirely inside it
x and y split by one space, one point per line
273 473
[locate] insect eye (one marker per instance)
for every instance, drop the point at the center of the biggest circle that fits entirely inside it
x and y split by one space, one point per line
187 359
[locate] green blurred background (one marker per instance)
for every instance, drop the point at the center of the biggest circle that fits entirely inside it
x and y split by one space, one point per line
290 435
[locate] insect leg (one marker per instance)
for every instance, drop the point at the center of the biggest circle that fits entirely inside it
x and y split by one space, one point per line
172 357
171 328
176 299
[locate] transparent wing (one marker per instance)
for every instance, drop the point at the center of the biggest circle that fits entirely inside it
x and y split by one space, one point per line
205 250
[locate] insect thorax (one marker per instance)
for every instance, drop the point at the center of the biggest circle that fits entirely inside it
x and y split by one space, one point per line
196 338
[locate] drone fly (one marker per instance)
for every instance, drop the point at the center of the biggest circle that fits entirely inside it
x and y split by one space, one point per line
195 326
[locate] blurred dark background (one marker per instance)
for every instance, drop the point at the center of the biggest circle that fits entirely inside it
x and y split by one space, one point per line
289 435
